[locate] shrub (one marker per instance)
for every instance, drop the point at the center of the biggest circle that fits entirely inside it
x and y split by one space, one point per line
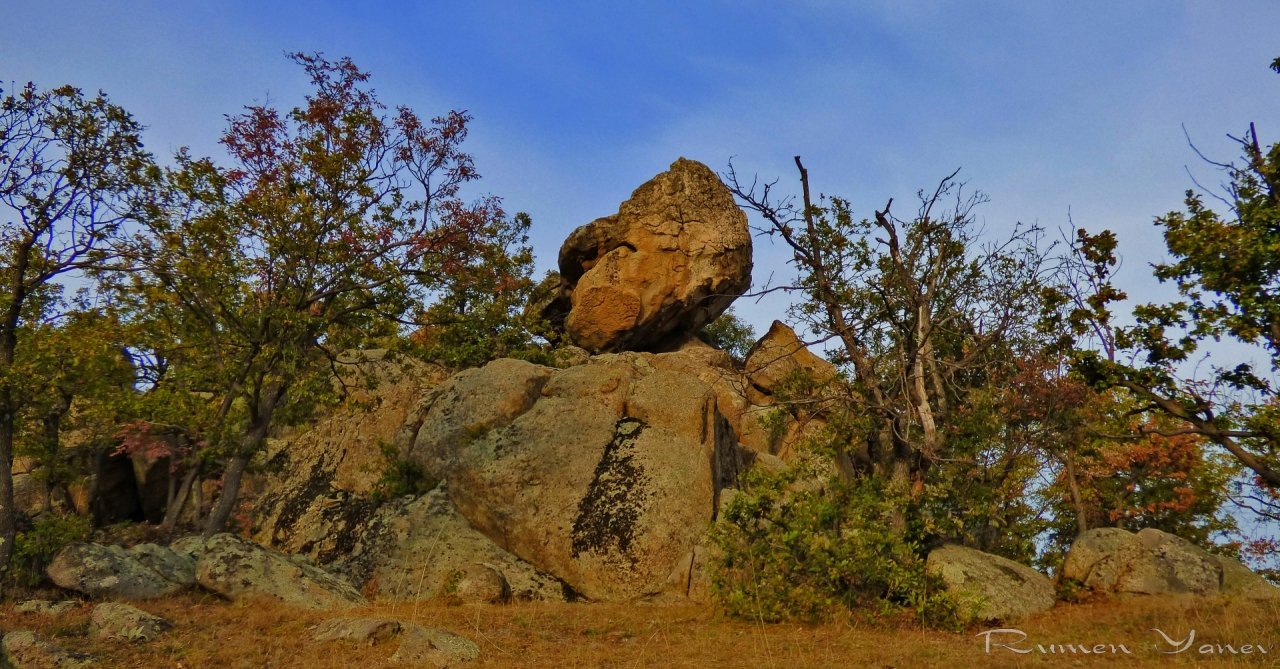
793 550
401 477
35 548
730 333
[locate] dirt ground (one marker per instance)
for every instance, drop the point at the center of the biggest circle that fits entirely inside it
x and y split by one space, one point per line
212 633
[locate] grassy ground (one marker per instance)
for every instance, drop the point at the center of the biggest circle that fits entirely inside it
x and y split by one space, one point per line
213 633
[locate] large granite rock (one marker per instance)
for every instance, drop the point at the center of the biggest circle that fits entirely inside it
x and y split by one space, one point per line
319 479
604 474
595 479
992 587
1151 562
421 548
671 260
240 569
112 571
780 355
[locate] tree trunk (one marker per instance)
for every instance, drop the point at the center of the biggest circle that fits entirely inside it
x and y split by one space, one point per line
8 519
199 500
231 480
900 484
179 500
259 425
1082 521
95 486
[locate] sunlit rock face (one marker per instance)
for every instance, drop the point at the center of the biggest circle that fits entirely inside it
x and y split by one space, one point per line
671 260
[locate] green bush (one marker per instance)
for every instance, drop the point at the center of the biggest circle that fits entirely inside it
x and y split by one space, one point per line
792 550
401 477
35 548
730 333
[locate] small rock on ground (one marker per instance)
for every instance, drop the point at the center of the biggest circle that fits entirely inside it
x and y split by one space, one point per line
370 631
428 647
45 607
25 650
126 623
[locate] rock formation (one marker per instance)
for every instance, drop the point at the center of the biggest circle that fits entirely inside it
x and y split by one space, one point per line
671 260
991 587
604 474
239 569
1111 560
112 571
779 355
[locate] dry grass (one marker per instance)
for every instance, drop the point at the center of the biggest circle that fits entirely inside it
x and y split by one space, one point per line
213 633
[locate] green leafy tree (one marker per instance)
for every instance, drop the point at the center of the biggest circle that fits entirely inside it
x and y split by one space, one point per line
332 227
80 363
478 313
1228 272
919 315
730 333
70 169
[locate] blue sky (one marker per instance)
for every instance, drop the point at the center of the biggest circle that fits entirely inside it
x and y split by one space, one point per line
1048 107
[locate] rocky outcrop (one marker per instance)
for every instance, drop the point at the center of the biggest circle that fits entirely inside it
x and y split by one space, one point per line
421 548
26 650
1111 560
323 476
593 479
672 259
604 474
779 356
242 570
173 566
991 587
126 623
112 571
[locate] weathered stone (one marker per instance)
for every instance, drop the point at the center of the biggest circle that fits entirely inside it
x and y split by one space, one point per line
434 648
45 607
26 650
472 403
240 569
480 584
672 259
1240 581
369 631
1092 547
107 571
780 355
992 587
125 623
323 476
191 545
606 481
175 567
1151 562
689 582
415 549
